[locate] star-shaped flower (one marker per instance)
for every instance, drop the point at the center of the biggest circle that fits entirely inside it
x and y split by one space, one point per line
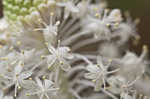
98 73
106 22
17 77
44 89
49 31
58 57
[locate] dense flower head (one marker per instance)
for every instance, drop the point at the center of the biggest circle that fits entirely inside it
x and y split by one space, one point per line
66 48
20 8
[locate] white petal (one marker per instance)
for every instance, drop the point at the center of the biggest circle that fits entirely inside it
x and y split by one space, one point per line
115 15
25 75
99 61
92 68
18 68
51 49
48 83
63 51
39 82
28 84
90 75
98 84
73 8
51 60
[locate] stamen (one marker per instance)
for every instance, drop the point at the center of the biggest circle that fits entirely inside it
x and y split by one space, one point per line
43 77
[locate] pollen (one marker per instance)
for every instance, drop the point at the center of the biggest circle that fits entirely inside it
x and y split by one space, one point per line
18 43
30 78
19 87
145 48
43 77
11 48
97 15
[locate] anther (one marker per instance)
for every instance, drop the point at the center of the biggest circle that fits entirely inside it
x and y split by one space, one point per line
43 77
18 43
61 63
108 25
1 46
137 21
11 48
42 57
145 48
97 15
52 14
19 87
30 78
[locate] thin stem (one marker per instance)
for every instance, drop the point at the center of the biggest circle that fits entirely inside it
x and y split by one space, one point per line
57 75
109 94
73 38
75 94
83 57
68 25
72 30
85 42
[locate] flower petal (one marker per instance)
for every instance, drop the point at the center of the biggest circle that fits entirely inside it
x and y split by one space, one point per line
98 84
39 82
90 75
18 68
48 83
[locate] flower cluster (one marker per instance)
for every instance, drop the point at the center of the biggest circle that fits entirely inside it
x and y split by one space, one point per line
52 49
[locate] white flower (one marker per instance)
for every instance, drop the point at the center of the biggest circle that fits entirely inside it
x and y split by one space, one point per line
44 89
126 88
132 65
94 27
69 8
114 16
115 87
49 31
120 85
17 77
101 26
58 57
98 73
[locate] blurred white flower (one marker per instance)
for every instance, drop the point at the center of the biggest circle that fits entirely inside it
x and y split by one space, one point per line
98 73
104 50
133 65
49 31
101 26
46 89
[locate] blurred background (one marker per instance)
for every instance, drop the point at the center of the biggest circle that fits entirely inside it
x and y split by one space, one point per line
138 9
